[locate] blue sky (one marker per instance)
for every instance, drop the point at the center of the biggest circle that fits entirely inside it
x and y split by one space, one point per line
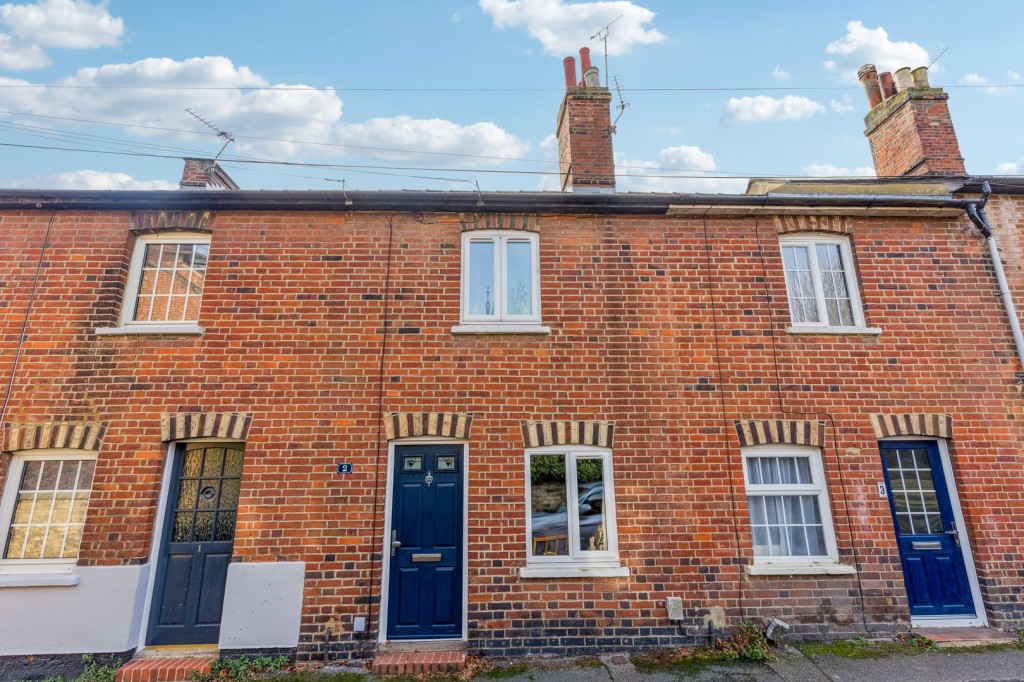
448 94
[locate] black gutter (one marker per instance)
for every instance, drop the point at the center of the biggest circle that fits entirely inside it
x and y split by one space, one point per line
444 202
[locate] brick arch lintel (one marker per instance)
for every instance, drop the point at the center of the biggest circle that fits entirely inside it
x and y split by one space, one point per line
186 425
442 424
542 433
833 224
72 435
913 424
780 431
523 222
155 222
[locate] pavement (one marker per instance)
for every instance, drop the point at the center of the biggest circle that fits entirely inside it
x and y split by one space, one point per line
947 665
979 664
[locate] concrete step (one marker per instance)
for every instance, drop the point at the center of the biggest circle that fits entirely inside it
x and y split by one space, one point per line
965 637
418 662
163 669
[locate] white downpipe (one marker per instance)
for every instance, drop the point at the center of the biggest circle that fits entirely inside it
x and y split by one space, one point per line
1004 292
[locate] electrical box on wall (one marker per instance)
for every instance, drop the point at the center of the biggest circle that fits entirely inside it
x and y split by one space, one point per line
674 606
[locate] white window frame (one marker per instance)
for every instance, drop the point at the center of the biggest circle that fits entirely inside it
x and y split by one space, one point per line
500 321
810 241
577 563
129 325
13 568
818 487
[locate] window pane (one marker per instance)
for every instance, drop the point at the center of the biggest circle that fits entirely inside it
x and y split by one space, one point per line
548 511
481 278
171 282
50 509
833 284
786 525
590 479
519 278
802 303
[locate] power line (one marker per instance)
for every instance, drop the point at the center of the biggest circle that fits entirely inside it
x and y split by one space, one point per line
292 88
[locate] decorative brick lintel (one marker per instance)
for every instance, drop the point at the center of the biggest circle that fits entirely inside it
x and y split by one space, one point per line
166 221
779 431
411 424
540 433
185 425
74 435
919 424
785 224
528 222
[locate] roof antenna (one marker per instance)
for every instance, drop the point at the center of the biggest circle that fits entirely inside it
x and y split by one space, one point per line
223 134
602 35
622 103
939 57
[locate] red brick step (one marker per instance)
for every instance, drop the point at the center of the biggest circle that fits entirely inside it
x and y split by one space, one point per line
418 662
163 669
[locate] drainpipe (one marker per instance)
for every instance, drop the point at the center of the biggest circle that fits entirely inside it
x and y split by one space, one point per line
976 212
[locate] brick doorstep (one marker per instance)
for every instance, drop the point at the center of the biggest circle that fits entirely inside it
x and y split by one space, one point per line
163 669
418 662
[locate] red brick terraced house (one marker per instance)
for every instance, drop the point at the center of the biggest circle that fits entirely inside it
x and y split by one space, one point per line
333 424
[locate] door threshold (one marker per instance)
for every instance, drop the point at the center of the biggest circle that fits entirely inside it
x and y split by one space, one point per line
949 637
178 651
935 622
423 645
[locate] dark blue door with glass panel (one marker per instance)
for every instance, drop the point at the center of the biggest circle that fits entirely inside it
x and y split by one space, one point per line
933 562
425 543
196 549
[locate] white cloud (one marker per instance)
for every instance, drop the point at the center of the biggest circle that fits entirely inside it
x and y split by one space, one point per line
1009 168
761 108
827 170
69 24
74 24
89 179
1012 75
431 135
842 106
456 17
564 28
656 176
155 92
15 56
780 74
862 45
979 80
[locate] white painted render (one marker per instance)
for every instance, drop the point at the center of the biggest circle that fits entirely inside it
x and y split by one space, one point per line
262 605
100 614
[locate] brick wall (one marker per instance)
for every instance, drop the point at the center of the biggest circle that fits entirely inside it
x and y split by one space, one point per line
293 313
584 133
912 133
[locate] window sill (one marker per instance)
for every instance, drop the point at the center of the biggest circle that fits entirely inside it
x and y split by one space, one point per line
825 330
535 329
168 329
801 569
573 572
38 580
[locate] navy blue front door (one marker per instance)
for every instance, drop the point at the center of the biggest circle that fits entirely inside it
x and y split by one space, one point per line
425 543
933 562
196 549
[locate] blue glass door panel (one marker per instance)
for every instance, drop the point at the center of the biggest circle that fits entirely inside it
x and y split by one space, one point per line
934 571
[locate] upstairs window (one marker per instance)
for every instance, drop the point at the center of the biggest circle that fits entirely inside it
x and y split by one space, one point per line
166 280
820 282
500 279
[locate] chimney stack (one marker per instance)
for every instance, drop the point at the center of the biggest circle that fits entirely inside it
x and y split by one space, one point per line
909 127
586 159
203 174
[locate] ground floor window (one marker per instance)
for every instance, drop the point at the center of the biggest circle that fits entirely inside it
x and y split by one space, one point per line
44 506
790 520
571 507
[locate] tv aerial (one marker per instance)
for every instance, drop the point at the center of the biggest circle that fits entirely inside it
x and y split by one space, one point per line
223 134
602 35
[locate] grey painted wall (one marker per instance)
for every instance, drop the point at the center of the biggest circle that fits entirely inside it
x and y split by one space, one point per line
100 614
262 605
